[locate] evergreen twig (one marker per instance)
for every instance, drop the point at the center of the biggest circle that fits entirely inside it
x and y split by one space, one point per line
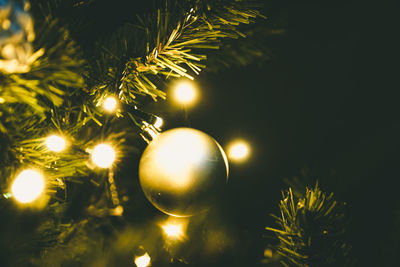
311 230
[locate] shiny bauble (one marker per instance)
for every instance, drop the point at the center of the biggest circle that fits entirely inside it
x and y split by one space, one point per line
182 171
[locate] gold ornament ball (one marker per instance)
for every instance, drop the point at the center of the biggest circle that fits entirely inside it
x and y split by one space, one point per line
182 171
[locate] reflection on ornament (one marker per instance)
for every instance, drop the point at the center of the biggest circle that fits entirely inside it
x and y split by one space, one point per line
103 155
239 151
110 104
55 143
28 186
185 93
143 261
182 171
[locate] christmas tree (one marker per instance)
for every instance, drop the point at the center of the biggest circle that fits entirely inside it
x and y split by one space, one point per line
108 114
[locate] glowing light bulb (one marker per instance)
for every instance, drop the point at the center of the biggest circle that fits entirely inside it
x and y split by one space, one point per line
55 143
143 261
28 186
239 151
103 155
173 230
110 104
185 93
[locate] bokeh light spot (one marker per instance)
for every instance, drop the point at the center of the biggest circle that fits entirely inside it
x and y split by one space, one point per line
55 143
185 93
103 155
239 151
110 104
28 186
175 228
143 261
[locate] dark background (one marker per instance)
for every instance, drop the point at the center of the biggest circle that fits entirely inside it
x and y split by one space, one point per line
325 105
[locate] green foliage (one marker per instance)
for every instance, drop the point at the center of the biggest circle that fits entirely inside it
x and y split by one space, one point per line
311 230
62 93
50 75
64 87
174 42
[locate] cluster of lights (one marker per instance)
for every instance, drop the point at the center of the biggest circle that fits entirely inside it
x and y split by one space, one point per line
29 184
103 155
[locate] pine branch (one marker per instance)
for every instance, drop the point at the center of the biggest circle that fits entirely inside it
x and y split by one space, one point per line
312 230
61 94
175 40
56 69
50 98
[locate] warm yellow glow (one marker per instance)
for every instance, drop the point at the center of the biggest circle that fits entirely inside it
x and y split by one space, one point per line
110 104
103 155
55 143
185 93
268 253
117 211
173 230
178 154
239 151
28 186
143 261
158 123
